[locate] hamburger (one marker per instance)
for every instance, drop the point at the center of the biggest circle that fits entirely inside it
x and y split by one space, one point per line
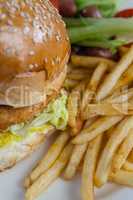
34 51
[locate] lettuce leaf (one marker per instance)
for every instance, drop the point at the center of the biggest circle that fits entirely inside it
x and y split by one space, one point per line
55 115
107 7
7 138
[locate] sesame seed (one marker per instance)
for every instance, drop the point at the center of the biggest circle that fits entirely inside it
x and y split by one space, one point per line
31 53
36 65
26 30
38 36
2 16
31 66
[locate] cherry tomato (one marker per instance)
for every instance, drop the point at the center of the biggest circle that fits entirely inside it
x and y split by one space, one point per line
55 3
68 8
125 13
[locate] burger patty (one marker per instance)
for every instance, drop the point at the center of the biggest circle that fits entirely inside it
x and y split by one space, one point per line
10 115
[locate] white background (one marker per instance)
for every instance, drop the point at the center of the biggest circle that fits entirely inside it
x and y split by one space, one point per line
11 181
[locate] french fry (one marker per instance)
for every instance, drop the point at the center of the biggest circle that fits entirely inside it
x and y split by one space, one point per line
89 93
48 160
89 166
110 131
116 104
122 83
77 155
123 50
87 98
130 157
120 96
108 109
111 80
81 86
48 177
117 137
69 67
73 107
123 152
98 127
125 79
97 76
78 127
78 77
78 120
122 177
70 84
90 62
113 96
128 166
78 70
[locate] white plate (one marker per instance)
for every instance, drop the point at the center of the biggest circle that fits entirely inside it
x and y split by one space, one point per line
11 181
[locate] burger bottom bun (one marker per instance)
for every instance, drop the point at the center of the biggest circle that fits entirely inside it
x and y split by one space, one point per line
15 152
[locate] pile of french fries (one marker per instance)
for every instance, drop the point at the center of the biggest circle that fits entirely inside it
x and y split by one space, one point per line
98 142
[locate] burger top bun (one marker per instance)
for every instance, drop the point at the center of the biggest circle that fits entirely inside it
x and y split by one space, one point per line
33 38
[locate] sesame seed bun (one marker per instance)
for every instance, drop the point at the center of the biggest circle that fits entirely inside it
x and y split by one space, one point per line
32 38
34 51
34 46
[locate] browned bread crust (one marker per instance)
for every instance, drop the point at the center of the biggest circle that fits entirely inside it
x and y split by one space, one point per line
13 153
32 38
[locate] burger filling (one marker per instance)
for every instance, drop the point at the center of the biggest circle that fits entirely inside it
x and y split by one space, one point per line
54 115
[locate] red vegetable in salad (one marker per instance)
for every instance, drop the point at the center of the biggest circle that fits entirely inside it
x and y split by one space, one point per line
91 11
125 13
55 3
68 8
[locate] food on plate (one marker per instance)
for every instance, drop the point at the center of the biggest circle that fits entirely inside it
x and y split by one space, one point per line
75 159
94 82
107 8
77 155
98 127
117 137
31 76
128 166
68 8
73 104
56 3
89 165
125 13
48 177
91 11
108 109
48 160
96 27
85 100
91 32
122 177
115 75
90 62
123 50
109 134
123 152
